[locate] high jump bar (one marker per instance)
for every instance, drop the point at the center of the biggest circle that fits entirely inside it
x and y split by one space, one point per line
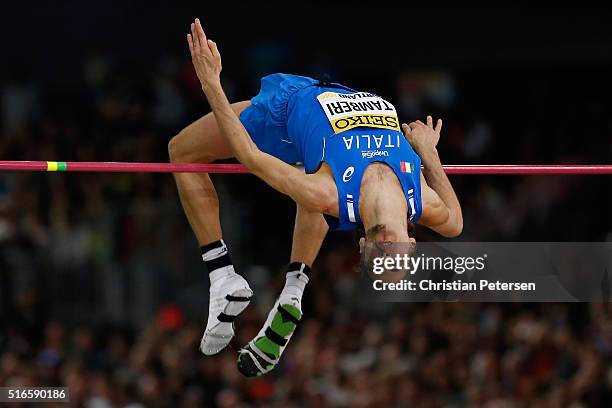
131 167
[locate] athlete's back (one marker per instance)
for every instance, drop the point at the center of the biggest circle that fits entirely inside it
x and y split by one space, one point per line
300 119
349 130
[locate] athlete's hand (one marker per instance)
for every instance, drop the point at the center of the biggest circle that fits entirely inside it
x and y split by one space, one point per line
421 136
204 55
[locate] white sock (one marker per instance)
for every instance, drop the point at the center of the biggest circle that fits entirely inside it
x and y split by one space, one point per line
295 282
217 260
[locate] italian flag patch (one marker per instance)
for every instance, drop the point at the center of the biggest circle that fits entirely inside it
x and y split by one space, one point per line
407 167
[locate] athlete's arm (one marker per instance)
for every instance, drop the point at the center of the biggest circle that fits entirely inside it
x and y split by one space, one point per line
441 208
435 214
306 190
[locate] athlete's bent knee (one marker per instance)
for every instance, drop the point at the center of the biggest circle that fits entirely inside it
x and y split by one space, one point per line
180 150
173 149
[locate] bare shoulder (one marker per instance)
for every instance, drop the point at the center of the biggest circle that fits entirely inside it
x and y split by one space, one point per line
429 198
433 209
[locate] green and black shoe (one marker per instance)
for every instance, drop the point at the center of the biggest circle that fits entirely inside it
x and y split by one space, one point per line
262 353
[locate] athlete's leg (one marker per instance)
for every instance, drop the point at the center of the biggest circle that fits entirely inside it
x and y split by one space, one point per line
262 353
202 142
308 234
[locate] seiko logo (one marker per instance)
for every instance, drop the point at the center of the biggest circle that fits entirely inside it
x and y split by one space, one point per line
348 173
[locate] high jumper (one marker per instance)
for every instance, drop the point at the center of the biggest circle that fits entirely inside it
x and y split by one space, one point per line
360 170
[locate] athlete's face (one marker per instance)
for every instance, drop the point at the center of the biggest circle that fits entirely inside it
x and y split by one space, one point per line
388 237
373 251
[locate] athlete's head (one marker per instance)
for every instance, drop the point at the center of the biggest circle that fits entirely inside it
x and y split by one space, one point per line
388 241
379 254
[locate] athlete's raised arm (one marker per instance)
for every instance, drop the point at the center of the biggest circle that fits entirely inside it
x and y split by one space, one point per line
441 208
306 190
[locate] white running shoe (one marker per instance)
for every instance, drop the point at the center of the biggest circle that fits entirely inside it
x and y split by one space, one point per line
229 296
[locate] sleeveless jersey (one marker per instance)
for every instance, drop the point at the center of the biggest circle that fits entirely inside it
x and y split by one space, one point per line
349 130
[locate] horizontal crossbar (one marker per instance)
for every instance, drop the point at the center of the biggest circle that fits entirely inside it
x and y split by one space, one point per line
126 167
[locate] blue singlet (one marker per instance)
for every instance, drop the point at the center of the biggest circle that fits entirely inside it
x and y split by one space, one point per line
300 119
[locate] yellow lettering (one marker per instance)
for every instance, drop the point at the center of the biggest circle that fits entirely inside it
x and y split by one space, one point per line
377 121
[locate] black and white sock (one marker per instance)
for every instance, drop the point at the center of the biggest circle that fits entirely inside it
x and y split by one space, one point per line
296 280
218 262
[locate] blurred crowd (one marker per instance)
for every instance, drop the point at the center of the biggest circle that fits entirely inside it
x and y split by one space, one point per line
102 289
435 355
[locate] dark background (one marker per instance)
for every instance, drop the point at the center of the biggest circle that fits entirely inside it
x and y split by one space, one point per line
101 287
